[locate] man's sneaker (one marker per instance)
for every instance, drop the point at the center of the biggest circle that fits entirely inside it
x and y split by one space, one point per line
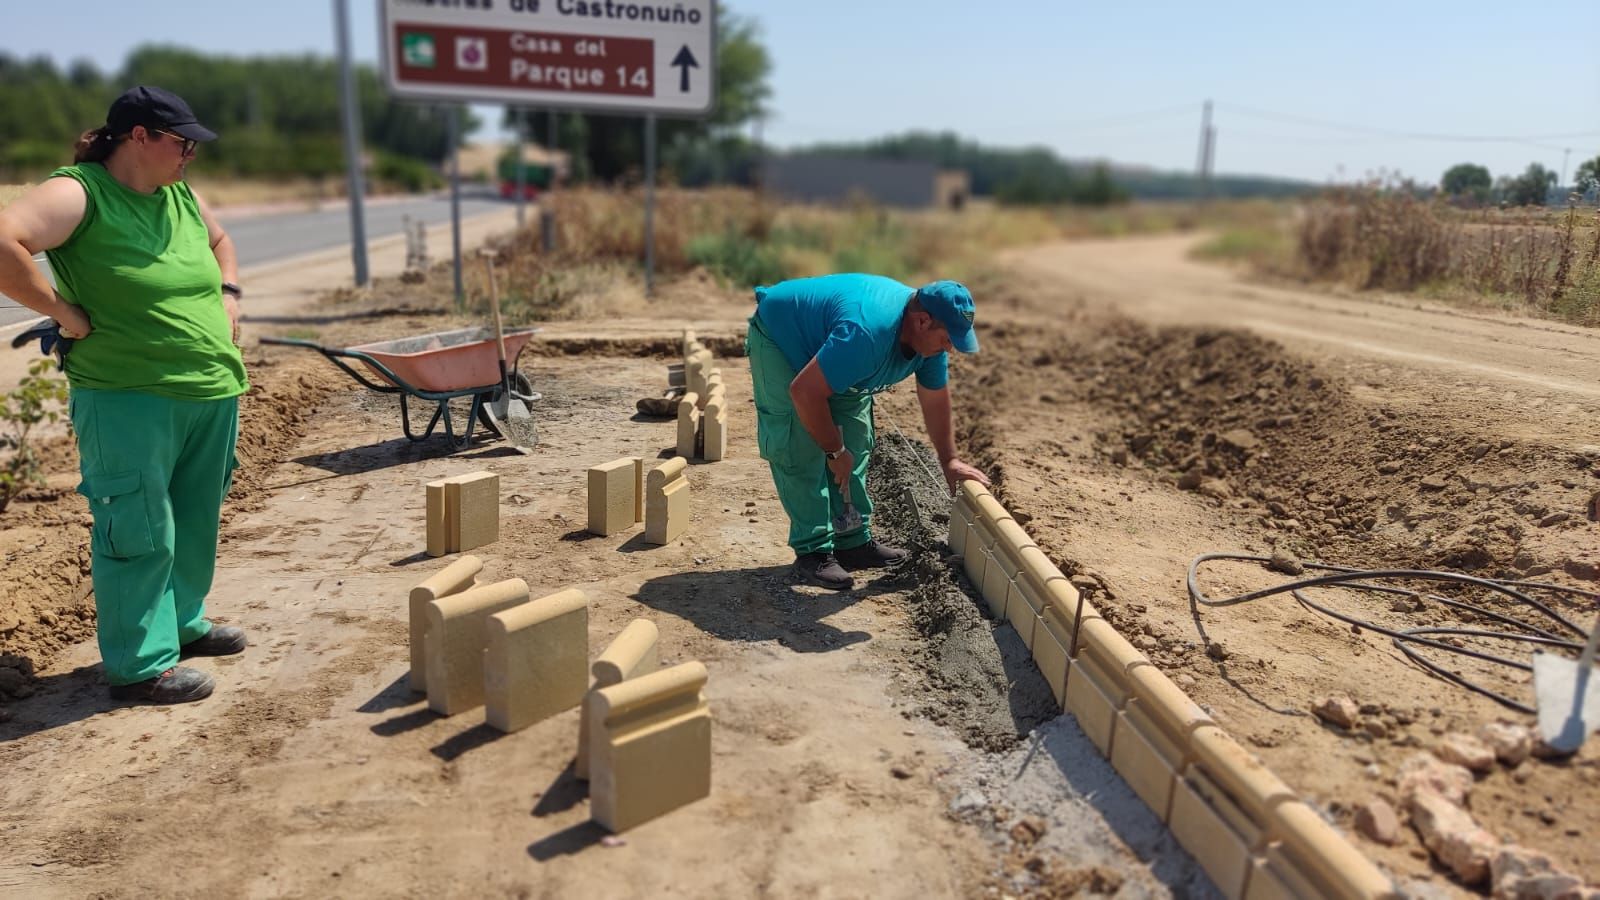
179 684
871 555
221 640
823 570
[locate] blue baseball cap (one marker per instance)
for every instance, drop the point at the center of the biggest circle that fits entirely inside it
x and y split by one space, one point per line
951 304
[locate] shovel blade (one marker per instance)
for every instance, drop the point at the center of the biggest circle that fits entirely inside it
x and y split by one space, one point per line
510 417
1569 701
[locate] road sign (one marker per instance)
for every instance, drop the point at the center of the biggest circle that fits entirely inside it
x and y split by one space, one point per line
602 56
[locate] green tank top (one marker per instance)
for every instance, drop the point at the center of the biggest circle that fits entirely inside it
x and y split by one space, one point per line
141 266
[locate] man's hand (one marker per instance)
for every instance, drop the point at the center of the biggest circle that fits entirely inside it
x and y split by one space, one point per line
73 320
841 466
232 306
956 471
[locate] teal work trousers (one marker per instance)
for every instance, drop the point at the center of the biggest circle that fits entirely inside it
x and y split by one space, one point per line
806 488
154 471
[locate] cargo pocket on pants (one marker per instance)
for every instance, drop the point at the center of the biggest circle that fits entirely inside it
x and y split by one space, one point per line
121 516
773 432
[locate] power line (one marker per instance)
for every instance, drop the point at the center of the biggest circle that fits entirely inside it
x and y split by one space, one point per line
1407 135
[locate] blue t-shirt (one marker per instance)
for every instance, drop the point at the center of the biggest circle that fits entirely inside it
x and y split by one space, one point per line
851 324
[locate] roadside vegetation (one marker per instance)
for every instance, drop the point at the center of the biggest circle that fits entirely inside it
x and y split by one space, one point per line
735 239
1529 260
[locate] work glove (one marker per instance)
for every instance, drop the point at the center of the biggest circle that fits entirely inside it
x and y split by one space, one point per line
51 343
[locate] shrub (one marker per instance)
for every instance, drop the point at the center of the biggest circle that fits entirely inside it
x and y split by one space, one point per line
35 399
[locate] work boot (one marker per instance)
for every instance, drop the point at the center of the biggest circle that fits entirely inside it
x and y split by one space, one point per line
823 570
179 684
221 640
871 555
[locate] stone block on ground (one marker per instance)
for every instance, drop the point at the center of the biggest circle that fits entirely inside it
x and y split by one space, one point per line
688 425
666 512
452 579
463 513
714 429
652 746
535 659
612 500
476 521
631 654
456 639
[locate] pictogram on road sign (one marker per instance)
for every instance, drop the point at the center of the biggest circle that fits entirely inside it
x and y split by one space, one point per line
594 55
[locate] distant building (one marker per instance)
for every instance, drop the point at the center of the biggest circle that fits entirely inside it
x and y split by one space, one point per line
838 179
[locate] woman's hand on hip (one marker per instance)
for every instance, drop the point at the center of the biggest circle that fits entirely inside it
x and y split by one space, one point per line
232 307
73 320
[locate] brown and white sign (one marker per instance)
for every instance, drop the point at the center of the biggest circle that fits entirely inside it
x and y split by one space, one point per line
594 55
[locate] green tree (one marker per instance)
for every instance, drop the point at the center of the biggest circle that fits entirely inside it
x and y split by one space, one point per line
1467 182
1531 188
1587 178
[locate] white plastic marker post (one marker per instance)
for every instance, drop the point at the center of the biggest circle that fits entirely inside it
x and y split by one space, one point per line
1568 694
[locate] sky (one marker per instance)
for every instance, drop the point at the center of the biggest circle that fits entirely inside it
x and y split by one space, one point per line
1330 92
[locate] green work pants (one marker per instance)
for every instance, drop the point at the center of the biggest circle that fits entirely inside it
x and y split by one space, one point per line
806 488
155 471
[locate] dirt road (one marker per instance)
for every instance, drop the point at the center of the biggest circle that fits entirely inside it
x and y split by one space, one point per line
1141 409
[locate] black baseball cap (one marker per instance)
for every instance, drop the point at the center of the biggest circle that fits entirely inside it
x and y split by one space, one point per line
156 108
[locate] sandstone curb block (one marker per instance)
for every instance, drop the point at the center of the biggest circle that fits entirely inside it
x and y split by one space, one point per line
452 579
666 508
631 654
651 746
613 497
534 660
1249 831
456 639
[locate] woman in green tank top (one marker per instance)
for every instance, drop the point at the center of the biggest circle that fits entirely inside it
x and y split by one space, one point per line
147 290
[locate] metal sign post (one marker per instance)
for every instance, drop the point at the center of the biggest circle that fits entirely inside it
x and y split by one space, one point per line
352 143
649 204
590 55
522 200
455 202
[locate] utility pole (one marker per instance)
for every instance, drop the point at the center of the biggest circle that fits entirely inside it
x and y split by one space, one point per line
1207 142
352 143
1565 155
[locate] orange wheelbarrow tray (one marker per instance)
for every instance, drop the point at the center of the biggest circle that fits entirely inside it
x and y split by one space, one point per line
437 367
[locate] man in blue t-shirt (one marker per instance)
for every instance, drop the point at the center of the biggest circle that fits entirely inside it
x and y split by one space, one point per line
819 349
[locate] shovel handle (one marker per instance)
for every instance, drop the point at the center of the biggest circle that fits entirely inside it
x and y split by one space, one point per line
1586 659
494 308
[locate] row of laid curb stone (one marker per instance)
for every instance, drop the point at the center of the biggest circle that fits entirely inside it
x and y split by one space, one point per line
1246 828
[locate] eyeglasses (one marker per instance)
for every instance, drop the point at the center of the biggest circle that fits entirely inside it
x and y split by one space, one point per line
186 144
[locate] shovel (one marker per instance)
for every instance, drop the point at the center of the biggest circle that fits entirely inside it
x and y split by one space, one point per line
1569 696
507 413
849 519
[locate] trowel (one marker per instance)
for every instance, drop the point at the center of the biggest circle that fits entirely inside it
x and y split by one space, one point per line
849 519
1568 694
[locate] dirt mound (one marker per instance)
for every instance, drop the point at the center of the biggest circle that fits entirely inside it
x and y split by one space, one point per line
665 347
1233 417
45 599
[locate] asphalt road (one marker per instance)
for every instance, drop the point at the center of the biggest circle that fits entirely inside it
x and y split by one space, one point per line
266 238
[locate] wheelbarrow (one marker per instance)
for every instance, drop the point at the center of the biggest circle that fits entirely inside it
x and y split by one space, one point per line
436 368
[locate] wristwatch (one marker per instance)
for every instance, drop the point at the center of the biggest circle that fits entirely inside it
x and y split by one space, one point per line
833 454
229 287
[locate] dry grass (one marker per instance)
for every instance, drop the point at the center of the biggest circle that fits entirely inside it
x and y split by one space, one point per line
1545 262
733 239
1533 261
